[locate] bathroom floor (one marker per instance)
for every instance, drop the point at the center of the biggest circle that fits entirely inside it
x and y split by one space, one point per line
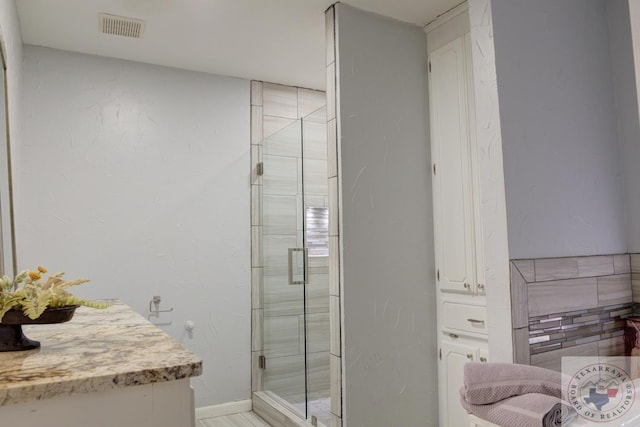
245 419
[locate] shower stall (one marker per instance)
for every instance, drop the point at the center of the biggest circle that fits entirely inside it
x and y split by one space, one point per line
294 361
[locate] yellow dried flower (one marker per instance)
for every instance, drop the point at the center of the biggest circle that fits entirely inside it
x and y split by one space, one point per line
41 269
34 275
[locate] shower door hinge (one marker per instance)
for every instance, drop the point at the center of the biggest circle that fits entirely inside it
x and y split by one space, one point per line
434 168
440 354
262 362
438 274
429 66
260 168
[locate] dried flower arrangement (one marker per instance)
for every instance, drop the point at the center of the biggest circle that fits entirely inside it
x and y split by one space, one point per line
31 294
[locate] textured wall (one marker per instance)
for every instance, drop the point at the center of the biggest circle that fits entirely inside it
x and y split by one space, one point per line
626 80
136 176
559 128
492 187
386 233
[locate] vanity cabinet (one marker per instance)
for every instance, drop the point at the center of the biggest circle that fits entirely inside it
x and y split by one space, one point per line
461 287
103 368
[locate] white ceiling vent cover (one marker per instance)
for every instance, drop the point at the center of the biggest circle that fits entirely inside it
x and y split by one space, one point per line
121 25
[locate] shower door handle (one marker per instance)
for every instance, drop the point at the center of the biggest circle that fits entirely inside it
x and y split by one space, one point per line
305 254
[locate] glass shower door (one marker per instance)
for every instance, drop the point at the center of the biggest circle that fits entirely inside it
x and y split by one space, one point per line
295 267
316 225
284 269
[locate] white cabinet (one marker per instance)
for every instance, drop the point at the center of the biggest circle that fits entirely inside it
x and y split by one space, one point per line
453 212
455 353
454 356
462 308
162 404
455 171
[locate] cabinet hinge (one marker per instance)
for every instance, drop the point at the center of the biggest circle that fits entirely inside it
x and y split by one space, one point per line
262 362
438 274
434 168
260 168
429 66
440 354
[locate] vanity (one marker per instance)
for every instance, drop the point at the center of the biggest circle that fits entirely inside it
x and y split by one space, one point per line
103 368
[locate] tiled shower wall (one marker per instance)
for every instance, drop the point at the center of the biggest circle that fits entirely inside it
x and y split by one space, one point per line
334 230
571 306
635 281
277 308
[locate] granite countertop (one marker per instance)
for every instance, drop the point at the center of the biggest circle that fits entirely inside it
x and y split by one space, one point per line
97 350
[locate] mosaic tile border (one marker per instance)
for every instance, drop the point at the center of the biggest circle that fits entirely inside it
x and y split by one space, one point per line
554 331
635 279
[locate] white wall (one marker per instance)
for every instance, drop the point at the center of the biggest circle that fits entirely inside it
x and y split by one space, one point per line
137 176
634 16
559 128
627 68
12 45
386 228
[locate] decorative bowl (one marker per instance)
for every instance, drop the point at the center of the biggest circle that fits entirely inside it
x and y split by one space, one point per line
11 336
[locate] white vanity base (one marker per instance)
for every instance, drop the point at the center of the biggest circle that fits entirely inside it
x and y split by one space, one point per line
164 404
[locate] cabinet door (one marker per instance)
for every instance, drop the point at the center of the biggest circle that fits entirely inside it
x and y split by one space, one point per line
454 356
479 285
452 191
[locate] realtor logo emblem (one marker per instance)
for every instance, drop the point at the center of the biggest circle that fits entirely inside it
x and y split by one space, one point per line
601 392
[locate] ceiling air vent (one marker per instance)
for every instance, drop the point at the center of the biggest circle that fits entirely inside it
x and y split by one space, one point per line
121 25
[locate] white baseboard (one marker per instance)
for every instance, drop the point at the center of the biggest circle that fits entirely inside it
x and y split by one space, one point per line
223 409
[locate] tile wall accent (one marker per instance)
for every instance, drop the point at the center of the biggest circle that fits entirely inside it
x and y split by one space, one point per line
333 142
555 331
570 306
634 268
276 220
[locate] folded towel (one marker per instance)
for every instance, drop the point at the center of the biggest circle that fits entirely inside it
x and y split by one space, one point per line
527 410
486 383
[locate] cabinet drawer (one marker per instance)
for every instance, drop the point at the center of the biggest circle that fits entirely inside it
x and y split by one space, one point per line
464 317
